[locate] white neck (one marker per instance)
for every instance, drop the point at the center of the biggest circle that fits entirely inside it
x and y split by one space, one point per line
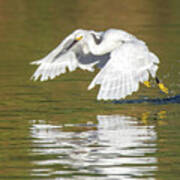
99 49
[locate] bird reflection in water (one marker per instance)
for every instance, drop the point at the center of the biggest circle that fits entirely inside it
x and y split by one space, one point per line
116 147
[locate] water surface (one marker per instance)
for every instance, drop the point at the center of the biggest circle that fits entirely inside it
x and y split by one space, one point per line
57 129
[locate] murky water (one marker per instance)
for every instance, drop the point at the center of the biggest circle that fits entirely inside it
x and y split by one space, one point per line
57 129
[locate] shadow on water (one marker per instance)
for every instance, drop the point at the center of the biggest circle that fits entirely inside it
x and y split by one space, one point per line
158 101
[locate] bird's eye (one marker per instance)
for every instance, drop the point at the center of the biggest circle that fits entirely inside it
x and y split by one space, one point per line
79 38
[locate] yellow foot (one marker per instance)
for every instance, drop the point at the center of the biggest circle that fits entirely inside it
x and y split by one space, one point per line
147 84
163 88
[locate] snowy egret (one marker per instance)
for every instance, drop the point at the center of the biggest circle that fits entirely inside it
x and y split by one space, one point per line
124 61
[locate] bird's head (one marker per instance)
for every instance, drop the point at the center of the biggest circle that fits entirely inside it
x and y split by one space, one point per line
79 34
76 37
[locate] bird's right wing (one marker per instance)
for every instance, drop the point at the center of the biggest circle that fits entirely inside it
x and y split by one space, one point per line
128 65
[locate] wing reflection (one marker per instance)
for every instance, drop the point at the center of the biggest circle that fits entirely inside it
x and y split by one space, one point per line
119 147
125 135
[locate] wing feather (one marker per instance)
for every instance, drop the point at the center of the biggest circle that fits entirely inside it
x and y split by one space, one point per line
50 69
119 82
58 61
128 65
55 64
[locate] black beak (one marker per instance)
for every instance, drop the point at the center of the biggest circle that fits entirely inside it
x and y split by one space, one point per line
66 49
71 45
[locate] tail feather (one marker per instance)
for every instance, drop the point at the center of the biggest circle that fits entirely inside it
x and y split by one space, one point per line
154 58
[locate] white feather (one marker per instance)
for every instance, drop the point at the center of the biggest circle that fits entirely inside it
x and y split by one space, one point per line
130 62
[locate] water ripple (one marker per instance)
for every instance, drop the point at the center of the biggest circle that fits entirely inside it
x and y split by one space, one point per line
116 147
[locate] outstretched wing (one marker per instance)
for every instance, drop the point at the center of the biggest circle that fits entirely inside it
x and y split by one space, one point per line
51 69
63 57
128 65
55 63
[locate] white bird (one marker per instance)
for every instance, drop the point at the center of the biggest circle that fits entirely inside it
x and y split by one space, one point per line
124 61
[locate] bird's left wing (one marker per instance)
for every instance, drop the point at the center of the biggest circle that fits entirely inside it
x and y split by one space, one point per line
57 62
49 70
128 65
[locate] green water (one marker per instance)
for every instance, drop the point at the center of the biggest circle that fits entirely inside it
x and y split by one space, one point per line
57 129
